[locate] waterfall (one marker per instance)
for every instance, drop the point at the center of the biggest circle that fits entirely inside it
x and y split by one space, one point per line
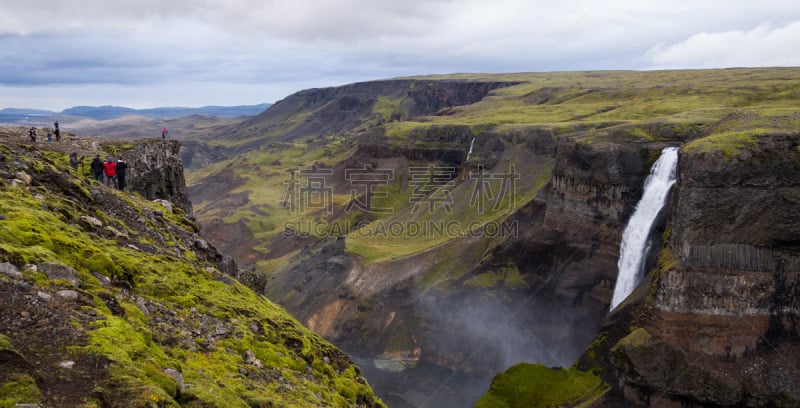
634 246
471 144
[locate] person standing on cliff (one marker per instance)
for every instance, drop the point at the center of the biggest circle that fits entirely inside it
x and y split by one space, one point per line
121 168
110 169
32 134
163 133
97 168
73 160
57 131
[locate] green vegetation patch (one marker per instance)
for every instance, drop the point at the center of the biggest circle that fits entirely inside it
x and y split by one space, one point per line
388 108
637 338
5 343
509 276
21 389
743 128
729 143
534 385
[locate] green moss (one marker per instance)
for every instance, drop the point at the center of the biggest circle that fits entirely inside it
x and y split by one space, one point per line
637 338
591 352
5 343
534 385
485 280
513 279
729 143
19 389
385 108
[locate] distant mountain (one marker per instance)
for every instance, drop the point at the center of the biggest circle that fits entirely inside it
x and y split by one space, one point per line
112 112
26 116
14 114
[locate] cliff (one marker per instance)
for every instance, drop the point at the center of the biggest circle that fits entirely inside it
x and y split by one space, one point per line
725 299
715 323
110 299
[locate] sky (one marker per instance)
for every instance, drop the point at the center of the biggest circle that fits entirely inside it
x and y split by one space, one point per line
55 54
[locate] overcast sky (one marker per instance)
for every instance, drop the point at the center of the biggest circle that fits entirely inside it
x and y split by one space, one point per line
56 54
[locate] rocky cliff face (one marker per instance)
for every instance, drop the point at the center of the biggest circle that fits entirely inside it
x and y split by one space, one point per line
594 191
717 324
334 110
155 171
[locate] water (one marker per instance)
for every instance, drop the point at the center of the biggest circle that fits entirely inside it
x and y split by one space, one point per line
634 246
471 144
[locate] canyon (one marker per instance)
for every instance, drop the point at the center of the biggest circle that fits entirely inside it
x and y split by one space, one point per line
527 277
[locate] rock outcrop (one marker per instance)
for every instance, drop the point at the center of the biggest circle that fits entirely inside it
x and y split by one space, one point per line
155 171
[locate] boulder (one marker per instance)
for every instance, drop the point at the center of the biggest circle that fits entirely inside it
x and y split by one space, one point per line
91 221
178 377
10 270
56 271
24 177
67 294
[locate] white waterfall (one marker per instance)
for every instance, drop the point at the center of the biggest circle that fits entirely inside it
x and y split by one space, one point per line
471 144
634 246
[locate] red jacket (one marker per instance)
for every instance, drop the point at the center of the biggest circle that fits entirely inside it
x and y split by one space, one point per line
111 169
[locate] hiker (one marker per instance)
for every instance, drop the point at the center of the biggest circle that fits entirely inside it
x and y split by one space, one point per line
111 172
97 168
164 133
73 160
49 136
58 133
32 134
121 167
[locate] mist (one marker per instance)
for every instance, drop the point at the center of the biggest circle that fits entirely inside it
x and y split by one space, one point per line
492 334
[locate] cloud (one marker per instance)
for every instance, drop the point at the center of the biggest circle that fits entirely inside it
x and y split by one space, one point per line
763 45
300 20
273 43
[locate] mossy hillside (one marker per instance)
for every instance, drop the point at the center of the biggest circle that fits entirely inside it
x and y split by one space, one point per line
705 95
386 108
743 129
139 344
534 385
266 176
477 204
